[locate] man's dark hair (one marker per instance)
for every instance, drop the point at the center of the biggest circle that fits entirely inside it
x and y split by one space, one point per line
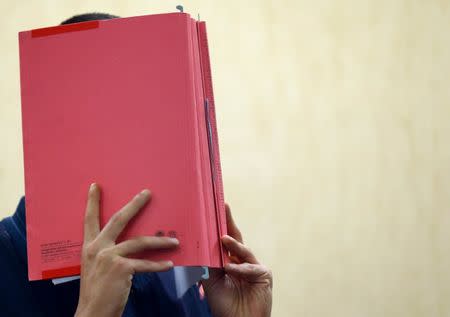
89 17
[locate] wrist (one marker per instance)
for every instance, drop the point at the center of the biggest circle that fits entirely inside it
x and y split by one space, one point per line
86 311
90 311
82 312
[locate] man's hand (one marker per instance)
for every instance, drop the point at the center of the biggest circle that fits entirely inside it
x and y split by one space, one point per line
245 288
106 272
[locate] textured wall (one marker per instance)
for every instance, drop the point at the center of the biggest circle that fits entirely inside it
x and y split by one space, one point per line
333 118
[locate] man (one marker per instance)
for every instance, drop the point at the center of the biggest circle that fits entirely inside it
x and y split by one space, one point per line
112 284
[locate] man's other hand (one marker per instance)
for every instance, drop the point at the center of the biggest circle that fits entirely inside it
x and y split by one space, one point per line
244 288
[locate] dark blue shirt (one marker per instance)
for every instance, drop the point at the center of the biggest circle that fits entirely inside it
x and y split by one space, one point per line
151 294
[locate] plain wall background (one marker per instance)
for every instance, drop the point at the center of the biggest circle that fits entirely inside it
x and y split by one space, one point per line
334 125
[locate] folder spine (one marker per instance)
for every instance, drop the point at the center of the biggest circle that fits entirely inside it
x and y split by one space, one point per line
26 146
213 135
195 82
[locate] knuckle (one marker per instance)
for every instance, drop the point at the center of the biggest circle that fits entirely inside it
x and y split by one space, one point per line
246 249
90 250
250 268
157 266
117 218
254 269
104 255
121 265
88 217
137 200
143 240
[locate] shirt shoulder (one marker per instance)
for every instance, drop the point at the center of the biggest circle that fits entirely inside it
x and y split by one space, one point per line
15 293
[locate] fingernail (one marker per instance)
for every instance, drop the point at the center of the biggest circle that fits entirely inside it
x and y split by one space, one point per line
145 192
174 240
169 263
92 187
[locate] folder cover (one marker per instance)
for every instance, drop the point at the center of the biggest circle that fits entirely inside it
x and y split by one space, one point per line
126 103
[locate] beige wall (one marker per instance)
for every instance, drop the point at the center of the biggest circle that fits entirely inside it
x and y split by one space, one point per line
334 125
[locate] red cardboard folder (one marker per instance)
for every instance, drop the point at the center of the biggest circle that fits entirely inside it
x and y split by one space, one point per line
126 103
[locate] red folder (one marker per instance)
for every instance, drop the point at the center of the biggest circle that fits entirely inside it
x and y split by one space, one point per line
126 103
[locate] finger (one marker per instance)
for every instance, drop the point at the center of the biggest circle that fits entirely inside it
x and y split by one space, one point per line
242 252
145 266
121 218
234 259
249 272
232 228
144 243
91 216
